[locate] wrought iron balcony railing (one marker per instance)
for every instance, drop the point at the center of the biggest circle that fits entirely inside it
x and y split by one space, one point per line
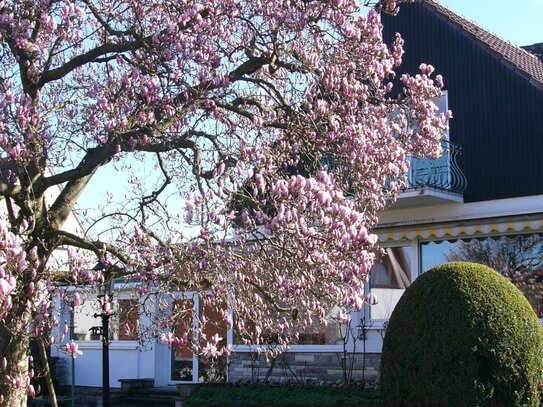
441 173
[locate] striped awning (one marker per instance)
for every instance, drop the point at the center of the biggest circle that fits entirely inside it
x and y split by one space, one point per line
464 229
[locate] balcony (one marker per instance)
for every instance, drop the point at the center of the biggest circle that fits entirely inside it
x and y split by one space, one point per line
434 182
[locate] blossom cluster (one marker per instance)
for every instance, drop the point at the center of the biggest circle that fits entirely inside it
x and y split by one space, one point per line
279 125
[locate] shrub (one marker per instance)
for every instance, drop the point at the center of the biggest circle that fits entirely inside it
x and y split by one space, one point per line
462 335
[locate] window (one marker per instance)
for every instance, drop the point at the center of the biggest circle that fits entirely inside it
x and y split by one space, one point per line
123 324
84 320
182 358
442 106
213 370
389 278
517 257
316 334
125 320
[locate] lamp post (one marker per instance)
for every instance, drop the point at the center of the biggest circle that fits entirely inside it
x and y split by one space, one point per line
105 296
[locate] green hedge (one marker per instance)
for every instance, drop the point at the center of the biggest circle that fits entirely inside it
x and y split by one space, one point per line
462 335
261 395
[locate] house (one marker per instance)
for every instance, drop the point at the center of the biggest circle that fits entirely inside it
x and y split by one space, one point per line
483 197
483 200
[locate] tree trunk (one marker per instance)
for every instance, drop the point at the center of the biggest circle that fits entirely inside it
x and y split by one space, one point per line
14 346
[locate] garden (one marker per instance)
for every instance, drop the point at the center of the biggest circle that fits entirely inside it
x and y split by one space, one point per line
461 335
284 395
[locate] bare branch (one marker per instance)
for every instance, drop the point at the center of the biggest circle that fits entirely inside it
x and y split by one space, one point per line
146 200
97 247
269 298
90 56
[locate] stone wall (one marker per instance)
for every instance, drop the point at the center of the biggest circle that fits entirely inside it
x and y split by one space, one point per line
300 367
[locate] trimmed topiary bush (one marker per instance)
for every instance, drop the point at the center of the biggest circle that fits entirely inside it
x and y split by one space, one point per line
462 335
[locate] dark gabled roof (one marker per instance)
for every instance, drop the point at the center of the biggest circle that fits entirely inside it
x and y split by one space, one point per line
515 57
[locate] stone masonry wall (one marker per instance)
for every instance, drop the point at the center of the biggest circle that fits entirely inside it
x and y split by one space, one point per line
300 367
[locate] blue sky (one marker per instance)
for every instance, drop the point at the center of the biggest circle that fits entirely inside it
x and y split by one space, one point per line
520 21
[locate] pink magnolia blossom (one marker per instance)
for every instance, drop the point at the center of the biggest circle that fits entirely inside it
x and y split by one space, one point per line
76 299
255 161
167 338
72 349
209 351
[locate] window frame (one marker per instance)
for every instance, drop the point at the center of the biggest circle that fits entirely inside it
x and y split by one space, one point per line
414 265
121 292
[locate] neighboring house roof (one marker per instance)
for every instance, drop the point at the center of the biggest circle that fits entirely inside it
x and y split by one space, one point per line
535 49
511 55
9 175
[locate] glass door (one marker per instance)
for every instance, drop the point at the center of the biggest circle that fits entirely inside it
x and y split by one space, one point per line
185 365
212 371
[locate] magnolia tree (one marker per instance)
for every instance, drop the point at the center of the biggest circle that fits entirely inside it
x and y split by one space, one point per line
275 123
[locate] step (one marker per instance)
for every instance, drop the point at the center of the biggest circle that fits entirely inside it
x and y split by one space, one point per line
150 400
162 391
146 397
136 404
149 403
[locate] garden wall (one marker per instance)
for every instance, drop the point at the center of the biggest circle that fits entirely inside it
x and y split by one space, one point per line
302 367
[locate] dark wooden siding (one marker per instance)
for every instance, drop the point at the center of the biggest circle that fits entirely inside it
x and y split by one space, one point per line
498 114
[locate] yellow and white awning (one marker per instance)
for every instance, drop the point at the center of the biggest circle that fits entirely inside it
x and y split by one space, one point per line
463 229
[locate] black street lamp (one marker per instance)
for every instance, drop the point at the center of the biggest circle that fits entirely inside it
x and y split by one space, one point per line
105 298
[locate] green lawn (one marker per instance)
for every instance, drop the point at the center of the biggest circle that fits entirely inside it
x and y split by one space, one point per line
264 395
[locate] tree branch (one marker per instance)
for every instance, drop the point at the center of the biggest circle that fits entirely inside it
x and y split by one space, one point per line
97 247
146 200
269 298
8 190
79 177
80 60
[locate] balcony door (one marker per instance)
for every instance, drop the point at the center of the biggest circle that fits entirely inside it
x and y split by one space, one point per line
435 173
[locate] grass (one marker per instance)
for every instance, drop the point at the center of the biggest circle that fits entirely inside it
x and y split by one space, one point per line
287 396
